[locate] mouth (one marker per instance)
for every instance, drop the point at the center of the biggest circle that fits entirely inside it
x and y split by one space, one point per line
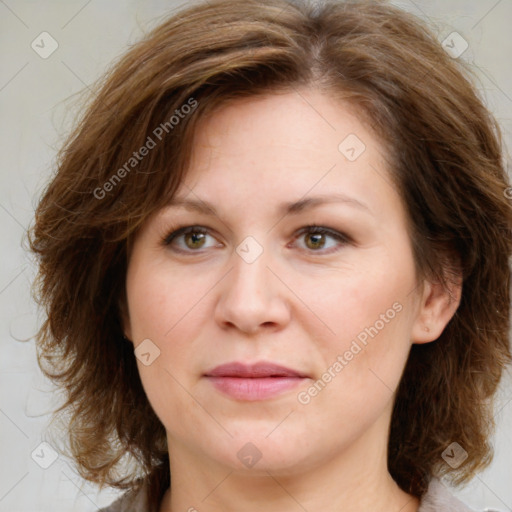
253 382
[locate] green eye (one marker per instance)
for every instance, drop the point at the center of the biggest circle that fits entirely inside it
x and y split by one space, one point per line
192 238
316 236
316 239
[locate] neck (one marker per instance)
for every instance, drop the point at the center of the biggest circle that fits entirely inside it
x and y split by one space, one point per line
356 480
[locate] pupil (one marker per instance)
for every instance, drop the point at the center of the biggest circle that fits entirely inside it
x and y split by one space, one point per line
196 237
317 239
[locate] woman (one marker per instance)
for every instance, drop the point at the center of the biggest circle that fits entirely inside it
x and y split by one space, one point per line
274 260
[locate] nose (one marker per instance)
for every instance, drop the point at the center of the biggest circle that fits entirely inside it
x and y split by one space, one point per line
252 297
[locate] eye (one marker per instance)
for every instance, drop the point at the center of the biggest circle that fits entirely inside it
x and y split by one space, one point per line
316 236
192 238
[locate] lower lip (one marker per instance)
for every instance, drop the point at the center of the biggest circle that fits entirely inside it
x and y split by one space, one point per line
254 388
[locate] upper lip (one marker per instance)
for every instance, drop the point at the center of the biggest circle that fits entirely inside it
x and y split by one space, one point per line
260 369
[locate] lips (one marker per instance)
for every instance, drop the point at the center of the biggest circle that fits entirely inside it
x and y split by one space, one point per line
260 381
258 370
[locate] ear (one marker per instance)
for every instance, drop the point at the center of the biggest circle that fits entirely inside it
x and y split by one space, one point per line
437 307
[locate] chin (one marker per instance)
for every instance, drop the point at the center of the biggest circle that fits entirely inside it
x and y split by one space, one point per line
254 451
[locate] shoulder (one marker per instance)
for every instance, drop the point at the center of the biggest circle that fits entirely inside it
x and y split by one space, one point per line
131 501
439 499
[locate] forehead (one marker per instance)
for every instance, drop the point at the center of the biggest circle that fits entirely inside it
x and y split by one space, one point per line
285 146
289 125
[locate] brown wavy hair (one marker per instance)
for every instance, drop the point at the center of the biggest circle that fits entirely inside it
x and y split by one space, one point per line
445 155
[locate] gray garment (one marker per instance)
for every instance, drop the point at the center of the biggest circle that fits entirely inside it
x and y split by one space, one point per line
436 499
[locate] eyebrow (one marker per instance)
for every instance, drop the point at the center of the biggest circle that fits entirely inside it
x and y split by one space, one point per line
289 208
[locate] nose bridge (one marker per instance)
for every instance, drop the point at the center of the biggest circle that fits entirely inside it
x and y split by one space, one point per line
250 275
251 296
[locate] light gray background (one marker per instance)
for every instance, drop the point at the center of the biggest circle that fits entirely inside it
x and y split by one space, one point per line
37 104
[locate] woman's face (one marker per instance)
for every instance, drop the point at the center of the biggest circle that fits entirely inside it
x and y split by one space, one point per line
329 315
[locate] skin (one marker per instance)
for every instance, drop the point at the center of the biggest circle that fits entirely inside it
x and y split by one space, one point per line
299 304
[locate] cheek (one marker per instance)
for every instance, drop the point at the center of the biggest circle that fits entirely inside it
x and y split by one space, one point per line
167 310
369 315
161 301
170 319
361 304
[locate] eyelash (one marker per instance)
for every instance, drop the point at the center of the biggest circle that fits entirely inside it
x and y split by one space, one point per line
311 229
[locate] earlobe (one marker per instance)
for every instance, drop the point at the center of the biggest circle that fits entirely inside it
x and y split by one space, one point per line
438 305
